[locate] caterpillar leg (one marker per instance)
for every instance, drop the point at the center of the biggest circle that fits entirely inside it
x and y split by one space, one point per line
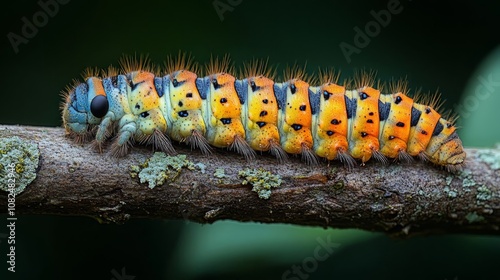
121 144
104 131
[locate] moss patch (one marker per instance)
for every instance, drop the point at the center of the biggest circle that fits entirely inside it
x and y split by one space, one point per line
262 181
160 168
219 173
483 193
490 157
451 193
18 164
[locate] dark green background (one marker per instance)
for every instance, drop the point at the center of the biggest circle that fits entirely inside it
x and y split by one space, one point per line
434 45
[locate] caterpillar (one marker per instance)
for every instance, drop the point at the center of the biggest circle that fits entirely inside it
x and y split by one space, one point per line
139 105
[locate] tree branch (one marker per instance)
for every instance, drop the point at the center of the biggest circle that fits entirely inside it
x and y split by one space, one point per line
401 199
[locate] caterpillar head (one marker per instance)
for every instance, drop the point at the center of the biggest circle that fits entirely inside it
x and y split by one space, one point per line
84 106
450 154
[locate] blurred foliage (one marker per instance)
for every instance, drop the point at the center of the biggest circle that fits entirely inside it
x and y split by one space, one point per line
479 115
433 44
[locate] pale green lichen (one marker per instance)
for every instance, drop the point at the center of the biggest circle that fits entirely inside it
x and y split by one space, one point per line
18 163
490 157
467 182
451 193
483 193
160 168
262 181
474 217
219 173
201 167
466 173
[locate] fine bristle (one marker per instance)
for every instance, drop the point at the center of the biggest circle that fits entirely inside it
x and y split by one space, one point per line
364 78
66 93
219 65
453 168
258 67
198 141
432 100
130 63
90 72
97 146
241 147
276 150
423 156
182 61
379 157
451 117
160 142
403 156
346 159
110 71
308 155
396 86
328 75
81 138
298 72
118 150
87 136
381 86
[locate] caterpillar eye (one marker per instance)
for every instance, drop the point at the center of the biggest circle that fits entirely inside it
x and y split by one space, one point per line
326 95
254 87
293 88
175 83
144 114
99 106
398 99
215 83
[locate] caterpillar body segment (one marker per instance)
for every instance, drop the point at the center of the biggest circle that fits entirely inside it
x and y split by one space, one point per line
395 118
183 106
256 113
331 130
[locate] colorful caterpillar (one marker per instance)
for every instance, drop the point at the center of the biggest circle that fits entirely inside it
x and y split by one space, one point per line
257 114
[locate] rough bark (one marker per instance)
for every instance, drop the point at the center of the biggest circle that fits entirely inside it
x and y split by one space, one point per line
400 199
